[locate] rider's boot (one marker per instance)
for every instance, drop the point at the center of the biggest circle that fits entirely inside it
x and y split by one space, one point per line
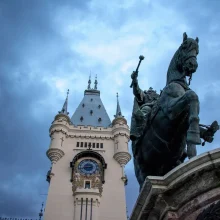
193 133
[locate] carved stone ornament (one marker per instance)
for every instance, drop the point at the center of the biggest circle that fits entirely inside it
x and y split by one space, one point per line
184 192
78 179
54 154
122 158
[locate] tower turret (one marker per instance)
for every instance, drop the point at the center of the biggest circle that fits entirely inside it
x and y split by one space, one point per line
121 138
58 131
63 114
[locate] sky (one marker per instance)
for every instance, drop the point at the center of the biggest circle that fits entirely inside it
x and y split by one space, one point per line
47 47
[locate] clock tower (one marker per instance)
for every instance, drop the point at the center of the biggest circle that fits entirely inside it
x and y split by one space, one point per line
88 153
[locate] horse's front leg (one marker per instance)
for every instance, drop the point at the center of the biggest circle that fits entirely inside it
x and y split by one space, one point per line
193 133
191 150
185 101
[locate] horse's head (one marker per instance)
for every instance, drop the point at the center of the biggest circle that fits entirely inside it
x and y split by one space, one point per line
188 52
184 62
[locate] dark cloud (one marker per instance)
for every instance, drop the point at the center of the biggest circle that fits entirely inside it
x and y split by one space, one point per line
33 46
30 46
24 142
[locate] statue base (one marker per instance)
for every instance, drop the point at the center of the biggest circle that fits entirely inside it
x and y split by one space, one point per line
183 193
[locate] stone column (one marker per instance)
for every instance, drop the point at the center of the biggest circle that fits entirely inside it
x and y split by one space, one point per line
86 204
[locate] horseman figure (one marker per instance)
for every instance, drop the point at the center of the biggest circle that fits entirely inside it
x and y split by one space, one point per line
143 103
162 125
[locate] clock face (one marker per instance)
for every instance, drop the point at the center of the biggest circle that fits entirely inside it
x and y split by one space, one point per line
88 166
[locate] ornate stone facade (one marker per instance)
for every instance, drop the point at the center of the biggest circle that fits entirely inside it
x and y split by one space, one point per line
79 179
183 193
79 191
55 154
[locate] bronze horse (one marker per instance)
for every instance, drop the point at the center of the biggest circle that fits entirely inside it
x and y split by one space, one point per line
174 120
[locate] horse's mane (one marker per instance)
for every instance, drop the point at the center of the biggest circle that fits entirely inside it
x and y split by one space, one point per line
174 72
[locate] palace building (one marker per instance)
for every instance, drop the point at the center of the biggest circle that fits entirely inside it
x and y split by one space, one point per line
88 153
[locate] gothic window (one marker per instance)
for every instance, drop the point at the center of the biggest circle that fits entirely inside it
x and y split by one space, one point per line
99 106
91 112
91 100
87 185
83 105
89 145
81 118
99 120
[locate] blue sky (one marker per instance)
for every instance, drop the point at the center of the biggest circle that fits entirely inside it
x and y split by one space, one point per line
50 46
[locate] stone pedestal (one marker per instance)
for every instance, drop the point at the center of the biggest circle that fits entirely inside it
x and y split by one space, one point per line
183 193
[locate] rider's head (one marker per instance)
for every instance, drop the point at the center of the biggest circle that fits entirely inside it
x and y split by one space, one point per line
149 91
151 94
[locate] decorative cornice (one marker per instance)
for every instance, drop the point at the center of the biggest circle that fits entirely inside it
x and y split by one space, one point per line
120 129
53 130
54 154
96 136
87 192
121 134
58 130
90 136
122 158
97 150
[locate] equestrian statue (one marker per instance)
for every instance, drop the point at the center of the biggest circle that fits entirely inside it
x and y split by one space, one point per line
165 127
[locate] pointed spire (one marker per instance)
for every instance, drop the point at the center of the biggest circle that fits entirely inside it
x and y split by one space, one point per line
96 83
118 109
89 82
64 109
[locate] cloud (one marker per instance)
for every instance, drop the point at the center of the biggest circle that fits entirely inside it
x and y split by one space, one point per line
47 48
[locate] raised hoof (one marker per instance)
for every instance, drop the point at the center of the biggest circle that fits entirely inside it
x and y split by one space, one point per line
193 138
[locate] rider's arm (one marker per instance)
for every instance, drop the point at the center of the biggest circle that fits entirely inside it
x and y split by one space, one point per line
138 93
